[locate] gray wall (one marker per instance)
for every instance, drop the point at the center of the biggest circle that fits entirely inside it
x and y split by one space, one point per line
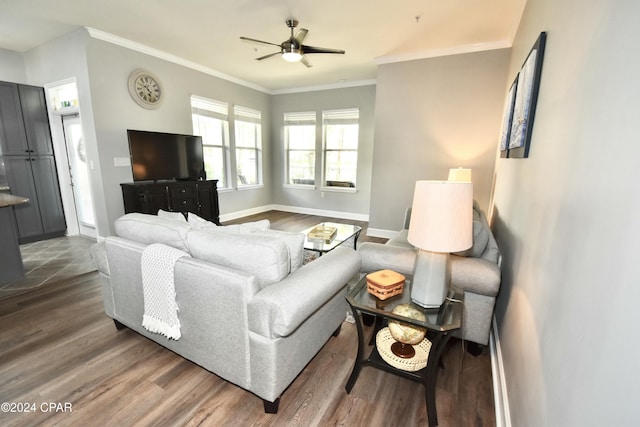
432 115
61 59
107 111
12 67
567 222
362 97
114 111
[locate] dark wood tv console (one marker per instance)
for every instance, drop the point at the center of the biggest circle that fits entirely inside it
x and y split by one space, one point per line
199 197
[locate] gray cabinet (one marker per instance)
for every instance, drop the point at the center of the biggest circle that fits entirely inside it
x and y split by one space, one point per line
27 152
13 139
24 123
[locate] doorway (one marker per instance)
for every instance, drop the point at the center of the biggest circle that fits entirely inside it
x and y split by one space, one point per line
79 174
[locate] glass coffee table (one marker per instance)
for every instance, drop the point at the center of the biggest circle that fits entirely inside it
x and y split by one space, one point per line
344 233
440 324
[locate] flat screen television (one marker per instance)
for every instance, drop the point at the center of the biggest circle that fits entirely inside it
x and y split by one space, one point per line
165 156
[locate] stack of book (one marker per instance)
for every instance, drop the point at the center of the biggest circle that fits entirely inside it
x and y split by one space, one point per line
322 233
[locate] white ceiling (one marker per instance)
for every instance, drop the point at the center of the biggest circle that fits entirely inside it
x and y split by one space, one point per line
207 32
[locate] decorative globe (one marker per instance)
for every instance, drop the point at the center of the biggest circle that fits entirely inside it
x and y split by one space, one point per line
403 332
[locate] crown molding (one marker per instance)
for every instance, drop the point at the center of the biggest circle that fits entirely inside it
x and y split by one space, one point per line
139 47
147 50
342 85
433 53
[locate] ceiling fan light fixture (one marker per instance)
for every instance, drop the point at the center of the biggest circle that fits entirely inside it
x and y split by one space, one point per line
292 54
292 49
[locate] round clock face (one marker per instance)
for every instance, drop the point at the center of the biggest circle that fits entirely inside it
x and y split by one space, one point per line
145 89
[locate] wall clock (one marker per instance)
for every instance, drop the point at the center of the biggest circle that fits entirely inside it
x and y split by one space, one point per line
145 89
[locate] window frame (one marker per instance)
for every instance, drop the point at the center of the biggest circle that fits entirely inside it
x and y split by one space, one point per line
218 110
339 116
305 118
252 116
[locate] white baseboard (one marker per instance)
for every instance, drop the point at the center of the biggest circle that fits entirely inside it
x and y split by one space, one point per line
246 212
500 397
380 232
295 209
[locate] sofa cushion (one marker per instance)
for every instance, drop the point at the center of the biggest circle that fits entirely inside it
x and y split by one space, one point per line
262 224
293 241
264 257
178 216
147 229
200 223
400 240
475 275
480 238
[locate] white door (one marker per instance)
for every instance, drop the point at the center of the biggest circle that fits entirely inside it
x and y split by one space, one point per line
79 174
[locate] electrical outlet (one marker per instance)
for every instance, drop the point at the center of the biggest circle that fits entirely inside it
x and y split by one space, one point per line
322 194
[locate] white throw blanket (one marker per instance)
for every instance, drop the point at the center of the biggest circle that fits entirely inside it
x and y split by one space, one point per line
160 308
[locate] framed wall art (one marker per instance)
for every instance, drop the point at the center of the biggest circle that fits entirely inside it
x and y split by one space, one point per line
526 97
507 118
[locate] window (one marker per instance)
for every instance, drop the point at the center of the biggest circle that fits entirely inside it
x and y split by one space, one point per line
340 133
210 120
300 147
248 132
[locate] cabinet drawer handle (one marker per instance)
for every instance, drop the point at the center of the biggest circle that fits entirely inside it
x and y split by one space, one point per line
184 202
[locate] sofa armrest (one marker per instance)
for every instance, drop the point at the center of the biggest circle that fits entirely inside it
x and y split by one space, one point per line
475 275
98 253
280 308
376 256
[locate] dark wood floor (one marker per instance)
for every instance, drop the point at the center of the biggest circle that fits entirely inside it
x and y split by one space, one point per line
295 222
57 345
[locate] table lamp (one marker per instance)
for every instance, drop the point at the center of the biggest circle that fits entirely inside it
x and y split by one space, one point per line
441 222
459 174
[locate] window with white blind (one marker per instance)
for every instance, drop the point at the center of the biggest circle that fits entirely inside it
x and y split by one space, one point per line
300 147
211 121
340 147
248 133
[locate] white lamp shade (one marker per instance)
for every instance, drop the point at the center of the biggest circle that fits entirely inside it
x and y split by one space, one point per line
460 174
442 216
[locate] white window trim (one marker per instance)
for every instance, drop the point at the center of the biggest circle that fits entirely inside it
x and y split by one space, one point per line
300 186
218 110
336 189
340 189
249 187
302 117
248 115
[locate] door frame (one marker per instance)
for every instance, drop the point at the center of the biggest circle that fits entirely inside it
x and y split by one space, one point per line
83 229
60 154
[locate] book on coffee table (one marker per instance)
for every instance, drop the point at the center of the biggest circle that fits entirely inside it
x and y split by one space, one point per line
322 233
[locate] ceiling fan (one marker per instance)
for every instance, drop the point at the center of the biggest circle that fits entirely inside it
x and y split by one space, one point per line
292 49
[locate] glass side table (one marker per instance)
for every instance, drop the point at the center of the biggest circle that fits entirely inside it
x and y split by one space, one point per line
344 233
440 324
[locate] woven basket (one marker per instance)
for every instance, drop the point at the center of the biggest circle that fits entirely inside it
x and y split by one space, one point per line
384 340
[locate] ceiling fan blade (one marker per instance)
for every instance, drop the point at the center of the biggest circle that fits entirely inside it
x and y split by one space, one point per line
306 62
268 56
301 35
258 41
313 49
